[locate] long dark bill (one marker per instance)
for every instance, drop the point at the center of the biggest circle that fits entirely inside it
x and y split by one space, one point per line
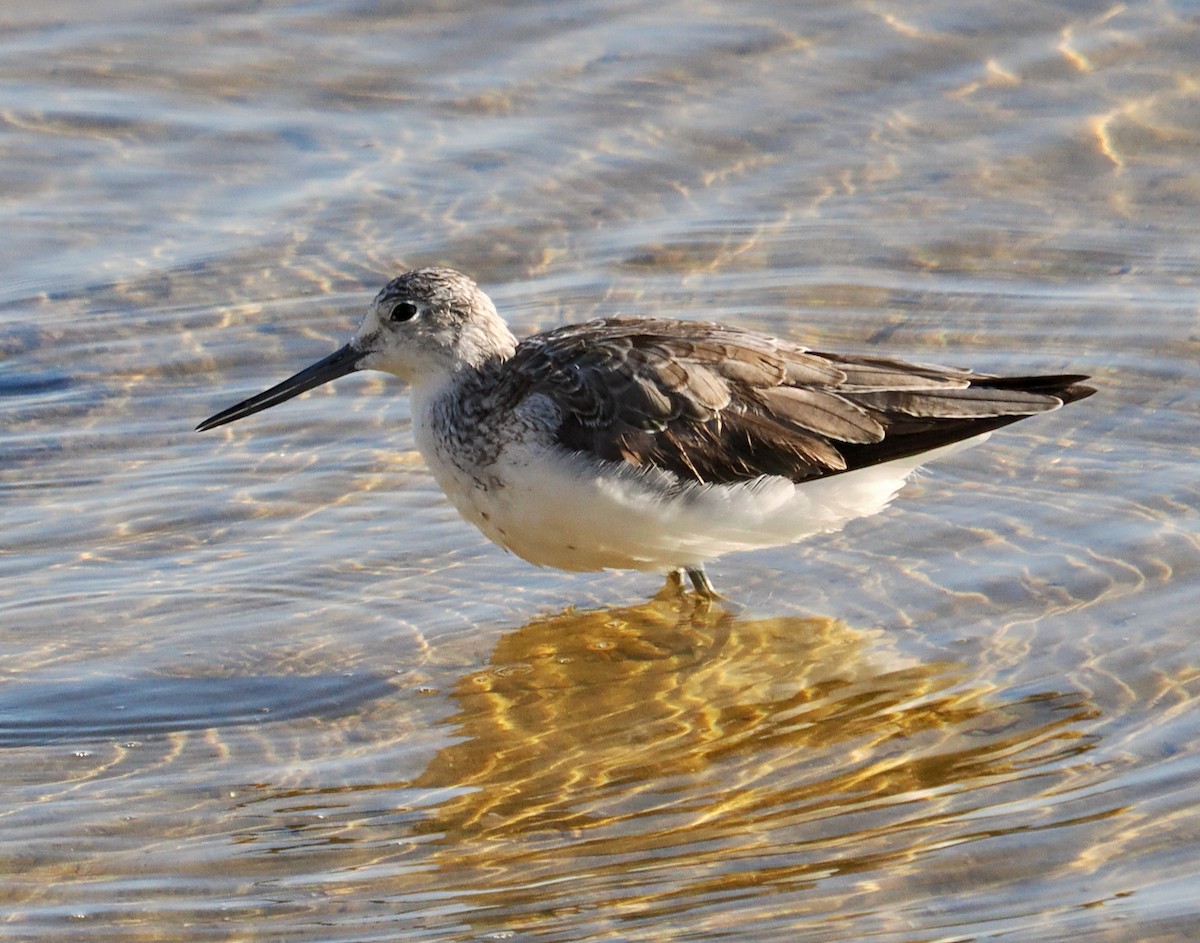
337 364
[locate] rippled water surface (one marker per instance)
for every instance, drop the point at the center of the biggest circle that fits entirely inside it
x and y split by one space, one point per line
263 684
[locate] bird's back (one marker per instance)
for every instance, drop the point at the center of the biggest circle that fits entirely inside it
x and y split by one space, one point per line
719 405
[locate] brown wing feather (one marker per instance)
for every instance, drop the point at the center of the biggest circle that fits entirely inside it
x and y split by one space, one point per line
717 404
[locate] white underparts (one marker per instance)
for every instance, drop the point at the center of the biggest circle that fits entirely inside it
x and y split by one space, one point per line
572 511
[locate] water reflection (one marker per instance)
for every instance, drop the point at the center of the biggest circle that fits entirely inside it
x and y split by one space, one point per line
656 757
197 193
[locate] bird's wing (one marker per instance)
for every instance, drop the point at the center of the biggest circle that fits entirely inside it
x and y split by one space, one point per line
717 404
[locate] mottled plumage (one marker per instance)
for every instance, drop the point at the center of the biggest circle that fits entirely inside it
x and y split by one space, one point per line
720 405
652 443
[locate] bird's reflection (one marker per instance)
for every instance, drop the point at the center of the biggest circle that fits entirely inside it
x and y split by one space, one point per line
587 720
647 759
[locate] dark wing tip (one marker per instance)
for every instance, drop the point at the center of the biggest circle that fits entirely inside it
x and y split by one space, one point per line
1076 391
1068 387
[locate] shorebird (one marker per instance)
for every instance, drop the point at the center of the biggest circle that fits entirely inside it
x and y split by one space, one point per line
654 444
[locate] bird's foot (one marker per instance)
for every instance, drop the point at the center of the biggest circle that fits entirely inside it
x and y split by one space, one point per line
705 591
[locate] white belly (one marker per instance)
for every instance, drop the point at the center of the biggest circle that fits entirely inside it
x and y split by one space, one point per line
567 510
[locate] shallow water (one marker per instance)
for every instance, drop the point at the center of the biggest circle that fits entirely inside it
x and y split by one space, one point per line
263 684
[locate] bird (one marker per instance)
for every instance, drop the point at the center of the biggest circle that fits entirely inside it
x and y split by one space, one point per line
652 443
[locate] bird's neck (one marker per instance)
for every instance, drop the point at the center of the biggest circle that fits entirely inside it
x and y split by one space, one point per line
445 391
454 419
455 396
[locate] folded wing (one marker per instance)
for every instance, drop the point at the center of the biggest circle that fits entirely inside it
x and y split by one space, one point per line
716 404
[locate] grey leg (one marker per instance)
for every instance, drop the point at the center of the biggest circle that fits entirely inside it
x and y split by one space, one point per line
700 580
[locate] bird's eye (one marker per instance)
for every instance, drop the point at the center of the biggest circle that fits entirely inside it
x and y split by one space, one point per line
405 311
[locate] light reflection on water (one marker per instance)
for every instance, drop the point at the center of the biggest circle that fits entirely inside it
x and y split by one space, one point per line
263 683
718 763
607 768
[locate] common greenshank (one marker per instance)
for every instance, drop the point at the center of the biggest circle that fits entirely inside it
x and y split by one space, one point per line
654 444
